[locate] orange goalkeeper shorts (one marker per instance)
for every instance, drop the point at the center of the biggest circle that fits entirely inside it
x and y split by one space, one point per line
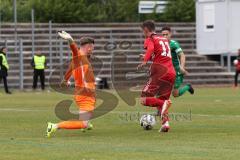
85 103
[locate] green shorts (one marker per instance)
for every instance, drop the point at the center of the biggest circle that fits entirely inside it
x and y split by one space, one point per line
178 81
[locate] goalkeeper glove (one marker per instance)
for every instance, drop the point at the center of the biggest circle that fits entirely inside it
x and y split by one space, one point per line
65 36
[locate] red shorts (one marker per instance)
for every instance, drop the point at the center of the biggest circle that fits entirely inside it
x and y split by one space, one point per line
160 84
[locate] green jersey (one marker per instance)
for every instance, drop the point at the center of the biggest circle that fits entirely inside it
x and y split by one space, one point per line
175 51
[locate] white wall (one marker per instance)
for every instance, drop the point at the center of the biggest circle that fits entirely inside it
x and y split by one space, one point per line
225 36
234 25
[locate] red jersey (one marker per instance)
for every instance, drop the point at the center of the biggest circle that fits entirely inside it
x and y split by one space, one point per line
158 50
238 65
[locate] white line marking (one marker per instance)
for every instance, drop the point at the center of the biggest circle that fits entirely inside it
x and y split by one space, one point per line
122 112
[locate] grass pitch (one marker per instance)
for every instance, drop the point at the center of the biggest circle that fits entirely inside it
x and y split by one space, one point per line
205 126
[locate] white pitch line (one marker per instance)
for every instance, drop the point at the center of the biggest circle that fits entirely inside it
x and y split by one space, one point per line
20 110
198 115
123 112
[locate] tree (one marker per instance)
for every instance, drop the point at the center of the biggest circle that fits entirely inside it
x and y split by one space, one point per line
75 11
179 11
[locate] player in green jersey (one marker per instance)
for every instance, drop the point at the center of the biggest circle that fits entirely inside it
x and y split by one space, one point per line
178 60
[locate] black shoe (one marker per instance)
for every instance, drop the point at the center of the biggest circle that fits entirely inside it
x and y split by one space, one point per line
8 92
191 90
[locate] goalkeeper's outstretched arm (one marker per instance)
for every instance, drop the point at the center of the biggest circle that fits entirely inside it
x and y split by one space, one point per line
74 49
73 45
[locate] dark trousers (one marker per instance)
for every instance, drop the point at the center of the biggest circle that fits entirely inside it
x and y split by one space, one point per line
236 78
38 73
4 78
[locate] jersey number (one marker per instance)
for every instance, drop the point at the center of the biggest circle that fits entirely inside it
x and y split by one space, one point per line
165 46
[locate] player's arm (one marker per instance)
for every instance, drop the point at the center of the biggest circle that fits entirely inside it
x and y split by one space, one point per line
182 58
148 54
75 60
149 51
76 57
69 38
67 76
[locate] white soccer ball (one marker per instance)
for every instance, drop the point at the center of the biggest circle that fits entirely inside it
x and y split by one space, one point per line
147 121
235 62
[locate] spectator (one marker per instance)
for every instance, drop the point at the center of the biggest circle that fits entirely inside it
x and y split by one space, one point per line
38 63
4 68
237 66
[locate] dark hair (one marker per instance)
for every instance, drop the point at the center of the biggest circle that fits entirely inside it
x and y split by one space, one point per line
86 40
166 28
2 48
149 24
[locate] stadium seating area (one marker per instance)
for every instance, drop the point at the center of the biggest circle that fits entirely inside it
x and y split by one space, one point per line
114 42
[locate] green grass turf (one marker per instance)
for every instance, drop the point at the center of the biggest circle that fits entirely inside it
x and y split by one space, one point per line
212 132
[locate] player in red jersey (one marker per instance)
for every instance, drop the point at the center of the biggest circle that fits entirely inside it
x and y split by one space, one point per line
157 91
237 66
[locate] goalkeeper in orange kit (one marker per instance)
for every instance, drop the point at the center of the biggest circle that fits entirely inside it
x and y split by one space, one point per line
82 72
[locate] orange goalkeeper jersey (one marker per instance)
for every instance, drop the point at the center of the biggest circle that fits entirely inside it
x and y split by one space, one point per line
82 72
